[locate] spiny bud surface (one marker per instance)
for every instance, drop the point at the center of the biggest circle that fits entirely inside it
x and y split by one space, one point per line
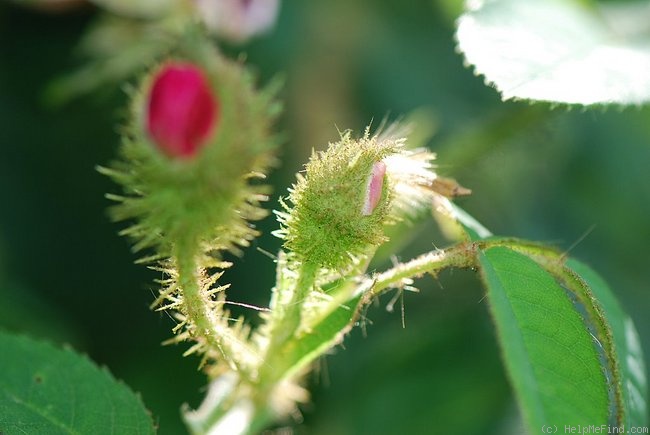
341 203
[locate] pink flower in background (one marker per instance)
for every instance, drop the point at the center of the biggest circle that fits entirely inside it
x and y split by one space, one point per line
238 20
182 110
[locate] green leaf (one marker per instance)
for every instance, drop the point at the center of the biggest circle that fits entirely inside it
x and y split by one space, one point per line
617 339
564 51
138 9
551 358
113 49
629 365
56 391
473 229
323 335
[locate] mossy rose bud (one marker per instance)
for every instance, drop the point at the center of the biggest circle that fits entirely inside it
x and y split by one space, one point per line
182 110
199 138
341 204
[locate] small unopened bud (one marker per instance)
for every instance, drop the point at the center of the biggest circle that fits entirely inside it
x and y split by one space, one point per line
374 188
341 204
182 110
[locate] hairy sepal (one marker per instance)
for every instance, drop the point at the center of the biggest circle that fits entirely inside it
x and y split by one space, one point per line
211 197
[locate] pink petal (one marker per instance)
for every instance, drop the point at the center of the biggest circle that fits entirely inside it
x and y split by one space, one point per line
374 188
182 111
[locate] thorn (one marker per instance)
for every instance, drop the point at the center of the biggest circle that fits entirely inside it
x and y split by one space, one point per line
195 348
267 253
391 304
580 239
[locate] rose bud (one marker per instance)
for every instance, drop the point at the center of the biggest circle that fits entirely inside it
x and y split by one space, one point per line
182 110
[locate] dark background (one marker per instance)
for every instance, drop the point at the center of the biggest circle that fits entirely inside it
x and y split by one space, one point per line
537 173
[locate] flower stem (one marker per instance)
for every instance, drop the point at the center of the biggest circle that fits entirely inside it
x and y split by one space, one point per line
204 320
460 255
290 320
285 327
293 314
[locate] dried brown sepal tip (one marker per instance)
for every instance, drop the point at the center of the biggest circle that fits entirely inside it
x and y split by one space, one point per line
449 188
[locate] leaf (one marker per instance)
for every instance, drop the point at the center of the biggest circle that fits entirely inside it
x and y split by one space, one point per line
56 391
473 229
564 51
137 9
630 367
615 335
550 356
113 50
325 334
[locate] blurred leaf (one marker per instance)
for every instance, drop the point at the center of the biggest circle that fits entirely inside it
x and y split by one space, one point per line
631 368
549 353
451 8
51 5
54 391
562 51
139 9
114 49
24 310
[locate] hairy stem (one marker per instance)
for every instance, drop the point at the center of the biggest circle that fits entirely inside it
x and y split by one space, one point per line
202 316
290 319
293 313
279 364
274 367
460 255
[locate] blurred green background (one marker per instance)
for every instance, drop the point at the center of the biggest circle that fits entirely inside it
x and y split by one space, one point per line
539 173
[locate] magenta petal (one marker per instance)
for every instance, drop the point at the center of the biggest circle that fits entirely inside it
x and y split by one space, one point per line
374 188
182 111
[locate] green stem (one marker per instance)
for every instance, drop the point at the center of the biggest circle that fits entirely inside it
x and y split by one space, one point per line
212 335
290 320
278 364
286 325
460 255
293 314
